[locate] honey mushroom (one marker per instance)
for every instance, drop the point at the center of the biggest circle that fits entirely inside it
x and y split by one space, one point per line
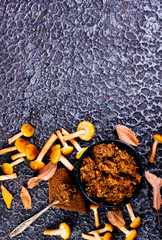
38 164
80 150
8 177
88 237
108 236
7 168
31 152
26 130
130 235
55 156
108 227
20 145
94 207
66 149
85 131
157 139
64 231
136 221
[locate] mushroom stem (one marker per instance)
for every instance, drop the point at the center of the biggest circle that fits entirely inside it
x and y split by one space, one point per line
53 232
153 152
61 138
20 160
12 139
130 211
66 163
46 147
74 135
73 141
108 227
97 236
96 216
6 150
88 237
124 230
8 177
17 155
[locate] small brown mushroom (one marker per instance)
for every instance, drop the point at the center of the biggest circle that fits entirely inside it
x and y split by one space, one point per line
20 145
88 237
31 152
136 222
66 150
37 165
130 235
108 227
94 207
55 156
64 231
8 177
108 236
75 144
7 168
26 130
157 139
85 131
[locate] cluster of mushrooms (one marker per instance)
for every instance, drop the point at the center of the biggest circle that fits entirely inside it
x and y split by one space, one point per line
85 131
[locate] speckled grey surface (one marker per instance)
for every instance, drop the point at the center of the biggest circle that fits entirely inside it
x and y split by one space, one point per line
66 61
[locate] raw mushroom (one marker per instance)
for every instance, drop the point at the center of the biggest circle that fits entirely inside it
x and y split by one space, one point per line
136 222
20 145
31 152
8 177
55 156
26 130
64 231
97 236
38 164
85 131
108 227
96 216
108 236
157 139
130 235
7 168
88 237
75 144
66 150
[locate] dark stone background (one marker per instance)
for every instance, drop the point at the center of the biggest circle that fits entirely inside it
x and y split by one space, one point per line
62 62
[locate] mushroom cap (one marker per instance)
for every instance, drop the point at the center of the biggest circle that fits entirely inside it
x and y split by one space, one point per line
67 150
55 153
7 168
79 154
31 151
37 165
136 223
132 235
67 231
158 137
109 227
108 236
89 130
21 144
27 130
93 206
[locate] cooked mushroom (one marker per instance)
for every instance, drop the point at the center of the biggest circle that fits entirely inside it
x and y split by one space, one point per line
64 231
88 237
31 152
26 130
8 177
136 222
157 139
108 227
108 236
75 144
66 150
7 168
85 131
20 145
55 156
96 216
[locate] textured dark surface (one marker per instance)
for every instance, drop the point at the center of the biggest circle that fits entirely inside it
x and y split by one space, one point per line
66 61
